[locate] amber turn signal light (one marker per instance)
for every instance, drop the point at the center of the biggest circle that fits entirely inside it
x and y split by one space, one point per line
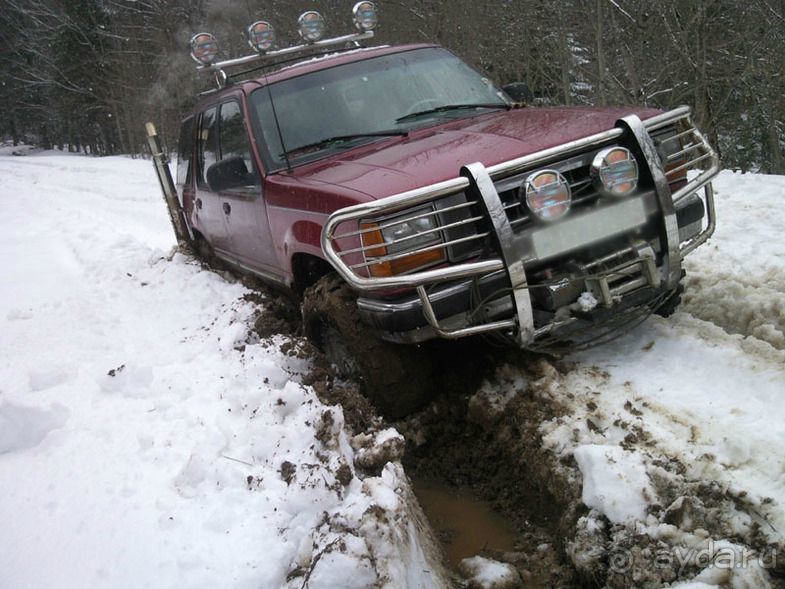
374 247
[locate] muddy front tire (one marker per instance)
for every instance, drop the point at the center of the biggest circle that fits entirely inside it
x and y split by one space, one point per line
672 299
398 379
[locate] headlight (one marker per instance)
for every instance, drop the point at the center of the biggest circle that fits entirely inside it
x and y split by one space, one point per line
385 243
547 194
311 26
615 171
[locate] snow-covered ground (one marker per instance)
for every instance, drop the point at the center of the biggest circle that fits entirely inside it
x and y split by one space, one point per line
696 398
146 441
143 441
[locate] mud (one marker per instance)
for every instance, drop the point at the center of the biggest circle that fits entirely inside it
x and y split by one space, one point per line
465 524
484 444
458 450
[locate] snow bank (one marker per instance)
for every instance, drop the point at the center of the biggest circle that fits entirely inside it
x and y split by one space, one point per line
738 281
676 428
144 440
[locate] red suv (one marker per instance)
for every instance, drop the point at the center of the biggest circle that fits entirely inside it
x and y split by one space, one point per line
437 205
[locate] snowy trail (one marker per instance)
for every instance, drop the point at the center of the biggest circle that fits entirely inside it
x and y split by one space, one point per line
142 439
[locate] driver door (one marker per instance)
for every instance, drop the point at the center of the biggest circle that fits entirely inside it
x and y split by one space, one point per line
245 213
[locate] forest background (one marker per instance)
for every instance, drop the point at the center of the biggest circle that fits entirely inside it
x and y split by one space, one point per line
85 75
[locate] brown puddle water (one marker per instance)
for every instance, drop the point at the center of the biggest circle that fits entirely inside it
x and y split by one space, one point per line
465 525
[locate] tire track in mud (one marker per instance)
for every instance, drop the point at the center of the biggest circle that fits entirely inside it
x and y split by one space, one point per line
459 442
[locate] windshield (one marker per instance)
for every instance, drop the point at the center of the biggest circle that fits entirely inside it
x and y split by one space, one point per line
344 106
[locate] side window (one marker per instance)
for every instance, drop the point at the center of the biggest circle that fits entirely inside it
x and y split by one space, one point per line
234 139
206 144
185 148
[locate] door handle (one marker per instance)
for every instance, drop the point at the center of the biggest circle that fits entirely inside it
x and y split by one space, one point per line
198 203
227 208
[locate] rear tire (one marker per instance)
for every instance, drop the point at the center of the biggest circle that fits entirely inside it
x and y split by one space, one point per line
398 379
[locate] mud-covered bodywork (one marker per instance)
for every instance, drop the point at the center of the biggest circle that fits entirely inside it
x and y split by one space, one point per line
418 195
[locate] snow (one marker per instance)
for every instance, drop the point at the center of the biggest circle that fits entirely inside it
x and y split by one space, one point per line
614 482
485 573
587 301
702 389
143 435
147 440
744 261
705 390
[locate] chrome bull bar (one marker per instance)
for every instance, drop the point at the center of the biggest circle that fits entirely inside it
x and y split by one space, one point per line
513 248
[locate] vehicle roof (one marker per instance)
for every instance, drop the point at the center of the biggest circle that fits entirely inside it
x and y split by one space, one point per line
308 64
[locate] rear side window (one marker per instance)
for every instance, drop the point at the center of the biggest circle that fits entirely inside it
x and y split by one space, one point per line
185 148
207 149
234 141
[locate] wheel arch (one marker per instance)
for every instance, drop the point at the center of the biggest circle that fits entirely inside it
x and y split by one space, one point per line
307 269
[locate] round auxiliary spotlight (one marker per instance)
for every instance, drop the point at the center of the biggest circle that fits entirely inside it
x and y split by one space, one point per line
547 195
311 26
261 36
204 48
365 17
614 171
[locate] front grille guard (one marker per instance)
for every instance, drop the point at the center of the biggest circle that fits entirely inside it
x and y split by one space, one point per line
478 179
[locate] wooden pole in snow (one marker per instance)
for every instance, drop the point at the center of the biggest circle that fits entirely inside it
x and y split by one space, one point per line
176 215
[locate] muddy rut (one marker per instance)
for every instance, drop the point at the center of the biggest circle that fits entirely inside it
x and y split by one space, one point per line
476 461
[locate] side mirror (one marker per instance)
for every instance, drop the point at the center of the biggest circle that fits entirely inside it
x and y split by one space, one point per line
519 92
228 173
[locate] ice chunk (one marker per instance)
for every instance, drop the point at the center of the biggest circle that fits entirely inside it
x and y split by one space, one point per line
489 574
615 482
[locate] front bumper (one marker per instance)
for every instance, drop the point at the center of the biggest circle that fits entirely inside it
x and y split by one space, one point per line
458 300
403 320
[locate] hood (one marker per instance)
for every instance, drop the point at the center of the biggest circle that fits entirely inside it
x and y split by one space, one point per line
435 154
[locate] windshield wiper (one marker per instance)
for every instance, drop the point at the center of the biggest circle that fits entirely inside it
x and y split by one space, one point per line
449 107
342 138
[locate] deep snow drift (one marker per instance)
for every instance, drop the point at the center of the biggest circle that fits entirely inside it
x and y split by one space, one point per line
143 441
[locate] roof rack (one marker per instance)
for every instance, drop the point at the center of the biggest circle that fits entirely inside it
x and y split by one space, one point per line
261 37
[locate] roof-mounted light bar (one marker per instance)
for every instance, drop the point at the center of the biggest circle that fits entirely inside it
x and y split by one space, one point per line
365 16
261 37
311 26
204 48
